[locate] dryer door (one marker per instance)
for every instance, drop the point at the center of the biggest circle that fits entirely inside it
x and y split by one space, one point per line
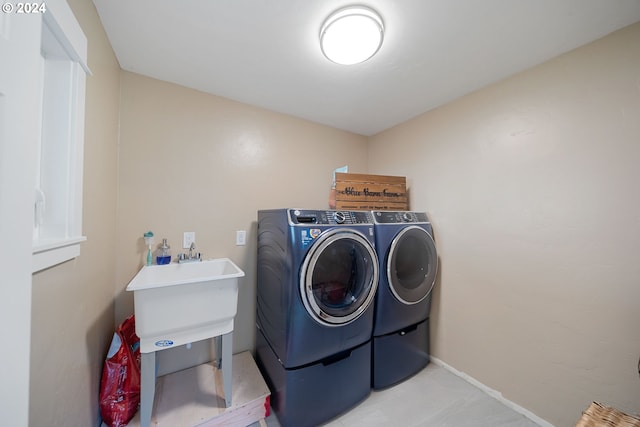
412 263
339 277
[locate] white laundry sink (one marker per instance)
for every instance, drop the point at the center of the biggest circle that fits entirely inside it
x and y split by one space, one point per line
177 304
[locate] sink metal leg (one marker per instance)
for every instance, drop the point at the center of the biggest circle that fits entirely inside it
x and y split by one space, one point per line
225 351
217 342
147 387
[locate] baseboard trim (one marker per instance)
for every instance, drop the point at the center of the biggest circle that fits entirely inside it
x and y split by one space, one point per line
493 393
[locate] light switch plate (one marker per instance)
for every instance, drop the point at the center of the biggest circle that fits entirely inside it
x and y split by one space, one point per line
241 237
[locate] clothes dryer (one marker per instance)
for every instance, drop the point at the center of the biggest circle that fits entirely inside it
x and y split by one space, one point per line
317 276
408 266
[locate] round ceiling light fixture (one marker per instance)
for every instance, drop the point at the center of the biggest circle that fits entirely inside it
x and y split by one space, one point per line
351 35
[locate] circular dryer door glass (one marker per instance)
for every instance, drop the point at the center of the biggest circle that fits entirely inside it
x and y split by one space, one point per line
412 263
339 277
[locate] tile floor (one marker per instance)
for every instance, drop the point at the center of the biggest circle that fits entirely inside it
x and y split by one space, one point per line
435 398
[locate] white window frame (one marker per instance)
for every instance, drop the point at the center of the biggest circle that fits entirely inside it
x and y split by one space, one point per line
58 195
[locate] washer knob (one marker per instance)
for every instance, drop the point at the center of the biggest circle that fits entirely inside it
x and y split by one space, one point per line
407 217
339 217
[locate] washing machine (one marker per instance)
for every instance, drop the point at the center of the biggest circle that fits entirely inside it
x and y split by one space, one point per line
408 266
317 276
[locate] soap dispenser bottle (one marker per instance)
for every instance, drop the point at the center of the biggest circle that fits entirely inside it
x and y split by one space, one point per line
164 253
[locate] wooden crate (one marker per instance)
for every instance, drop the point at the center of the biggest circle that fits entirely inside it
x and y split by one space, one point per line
371 192
195 397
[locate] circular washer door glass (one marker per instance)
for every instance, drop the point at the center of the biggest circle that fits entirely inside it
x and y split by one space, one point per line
412 263
339 277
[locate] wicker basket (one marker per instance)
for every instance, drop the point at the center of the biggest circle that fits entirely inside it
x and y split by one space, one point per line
598 415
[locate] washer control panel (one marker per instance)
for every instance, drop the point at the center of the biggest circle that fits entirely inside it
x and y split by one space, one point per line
330 217
399 217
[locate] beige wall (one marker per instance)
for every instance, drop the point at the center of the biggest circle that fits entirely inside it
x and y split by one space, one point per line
532 188
72 304
195 162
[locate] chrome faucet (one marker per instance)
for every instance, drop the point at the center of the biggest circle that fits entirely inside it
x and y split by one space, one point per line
192 257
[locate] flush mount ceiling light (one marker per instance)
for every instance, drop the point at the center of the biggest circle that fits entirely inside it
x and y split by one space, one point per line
351 35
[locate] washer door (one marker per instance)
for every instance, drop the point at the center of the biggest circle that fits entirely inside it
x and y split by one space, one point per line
339 277
412 263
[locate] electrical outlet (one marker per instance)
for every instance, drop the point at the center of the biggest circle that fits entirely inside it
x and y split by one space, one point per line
188 238
241 238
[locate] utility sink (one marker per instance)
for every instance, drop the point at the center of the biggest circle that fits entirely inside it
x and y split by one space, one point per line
177 304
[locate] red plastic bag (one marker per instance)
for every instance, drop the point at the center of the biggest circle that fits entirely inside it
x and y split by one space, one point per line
120 385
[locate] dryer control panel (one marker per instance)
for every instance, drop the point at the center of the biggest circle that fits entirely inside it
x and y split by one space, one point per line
329 217
399 217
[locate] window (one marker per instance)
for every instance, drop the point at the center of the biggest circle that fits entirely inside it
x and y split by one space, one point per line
57 229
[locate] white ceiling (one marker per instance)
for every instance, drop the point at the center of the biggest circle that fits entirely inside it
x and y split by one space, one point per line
266 53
